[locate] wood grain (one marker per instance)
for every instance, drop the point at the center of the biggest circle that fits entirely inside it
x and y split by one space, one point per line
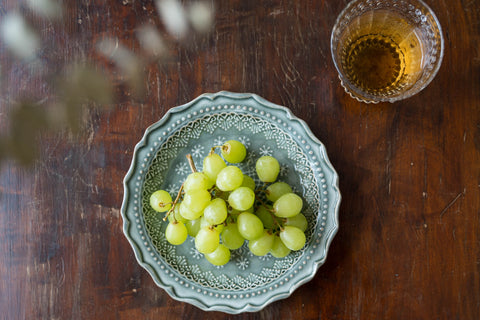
409 241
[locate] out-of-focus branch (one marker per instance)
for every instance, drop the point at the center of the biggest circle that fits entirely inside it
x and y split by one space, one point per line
81 85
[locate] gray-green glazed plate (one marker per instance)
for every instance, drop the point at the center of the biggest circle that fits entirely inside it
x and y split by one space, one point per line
247 283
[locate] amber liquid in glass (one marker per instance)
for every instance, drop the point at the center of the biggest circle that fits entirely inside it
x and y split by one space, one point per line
382 53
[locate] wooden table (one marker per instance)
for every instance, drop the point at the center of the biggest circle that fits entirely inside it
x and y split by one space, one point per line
409 240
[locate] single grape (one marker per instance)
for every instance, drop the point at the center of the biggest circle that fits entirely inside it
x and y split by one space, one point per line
288 205
193 226
219 257
298 221
241 198
212 165
266 216
293 238
279 250
176 233
231 237
229 178
216 211
261 245
277 189
233 151
196 200
267 168
249 225
161 201
207 240
196 181
186 212
248 182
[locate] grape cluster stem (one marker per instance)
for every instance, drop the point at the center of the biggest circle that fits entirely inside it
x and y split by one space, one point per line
174 203
191 163
270 210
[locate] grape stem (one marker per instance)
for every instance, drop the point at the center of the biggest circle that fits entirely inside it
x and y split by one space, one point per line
275 221
191 163
264 204
272 213
262 190
174 203
179 194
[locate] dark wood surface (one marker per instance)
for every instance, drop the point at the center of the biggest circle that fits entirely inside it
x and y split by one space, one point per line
409 240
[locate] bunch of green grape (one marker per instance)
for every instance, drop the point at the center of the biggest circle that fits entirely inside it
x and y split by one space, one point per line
221 208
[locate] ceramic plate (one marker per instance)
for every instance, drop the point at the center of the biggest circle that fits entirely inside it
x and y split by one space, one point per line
247 282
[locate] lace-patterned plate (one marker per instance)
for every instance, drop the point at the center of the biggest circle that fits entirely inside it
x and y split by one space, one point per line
247 282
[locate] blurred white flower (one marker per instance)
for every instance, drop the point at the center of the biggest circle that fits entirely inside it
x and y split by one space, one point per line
46 8
201 16
151 40
19 37
173 16
126 61
123 57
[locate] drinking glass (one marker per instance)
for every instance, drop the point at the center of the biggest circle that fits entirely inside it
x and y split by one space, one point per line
386 50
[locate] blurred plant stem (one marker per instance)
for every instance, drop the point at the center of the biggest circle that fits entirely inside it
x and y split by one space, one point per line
82 85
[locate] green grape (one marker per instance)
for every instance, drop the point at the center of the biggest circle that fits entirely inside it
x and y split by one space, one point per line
205 223
234 151
293 238
219 257
298 221
212 165
241 198
193 226
176 215
186 212
176 233
279 250
216 212
277 189
196 200
161 201
288 205
231 237
249 225
207 240
266 216
248 182
196 181
229 178
267 168
262 245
